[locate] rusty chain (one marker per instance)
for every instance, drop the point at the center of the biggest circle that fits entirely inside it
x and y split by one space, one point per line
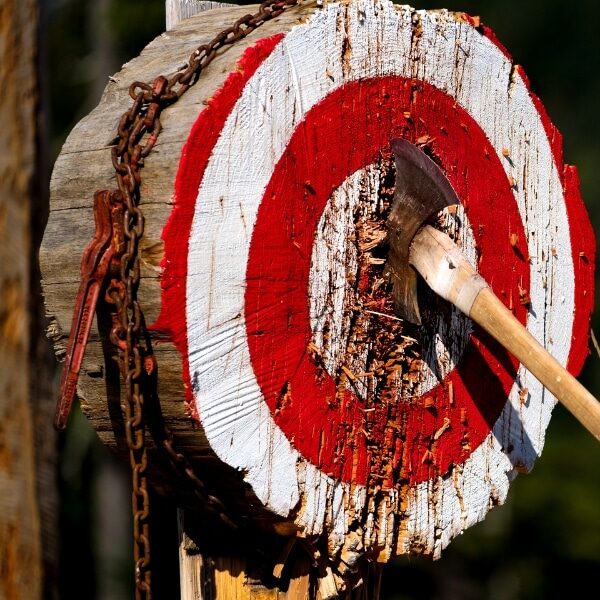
138 131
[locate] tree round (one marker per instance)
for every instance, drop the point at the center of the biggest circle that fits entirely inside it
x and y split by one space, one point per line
341 417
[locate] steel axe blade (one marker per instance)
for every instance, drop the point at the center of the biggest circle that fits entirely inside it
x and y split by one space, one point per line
422 190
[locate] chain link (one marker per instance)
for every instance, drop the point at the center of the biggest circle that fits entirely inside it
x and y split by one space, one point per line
138 131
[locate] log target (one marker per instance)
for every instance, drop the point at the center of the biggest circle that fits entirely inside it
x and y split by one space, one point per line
341 417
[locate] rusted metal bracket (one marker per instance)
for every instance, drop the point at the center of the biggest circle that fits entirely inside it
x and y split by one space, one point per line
102 252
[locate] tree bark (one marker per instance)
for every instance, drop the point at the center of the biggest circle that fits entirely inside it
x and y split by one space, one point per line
20 548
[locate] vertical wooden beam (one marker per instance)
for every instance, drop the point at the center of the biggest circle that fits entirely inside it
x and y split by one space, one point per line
191 561
191 565
177 10
20 551
196 572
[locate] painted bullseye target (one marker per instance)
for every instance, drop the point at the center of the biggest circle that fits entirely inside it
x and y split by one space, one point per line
330 427
299 370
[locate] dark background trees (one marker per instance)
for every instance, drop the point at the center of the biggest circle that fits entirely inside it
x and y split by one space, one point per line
549 530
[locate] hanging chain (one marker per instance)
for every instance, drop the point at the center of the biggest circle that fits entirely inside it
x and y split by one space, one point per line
138 132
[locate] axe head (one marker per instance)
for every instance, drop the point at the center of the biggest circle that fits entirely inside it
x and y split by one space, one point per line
422 190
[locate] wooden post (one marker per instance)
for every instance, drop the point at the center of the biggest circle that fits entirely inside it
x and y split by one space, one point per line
195 570
20 548
191 563
177 10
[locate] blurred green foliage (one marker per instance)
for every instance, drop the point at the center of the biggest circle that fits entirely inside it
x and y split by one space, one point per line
548 533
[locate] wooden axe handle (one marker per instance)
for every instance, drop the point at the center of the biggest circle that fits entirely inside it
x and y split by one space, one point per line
447 271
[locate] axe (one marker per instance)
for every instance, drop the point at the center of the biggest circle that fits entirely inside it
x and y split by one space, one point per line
422 190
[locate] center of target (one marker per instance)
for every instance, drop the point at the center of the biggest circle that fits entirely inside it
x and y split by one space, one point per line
357 337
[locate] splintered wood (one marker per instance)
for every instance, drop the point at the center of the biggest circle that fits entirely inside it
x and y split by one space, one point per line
357 336
270 187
